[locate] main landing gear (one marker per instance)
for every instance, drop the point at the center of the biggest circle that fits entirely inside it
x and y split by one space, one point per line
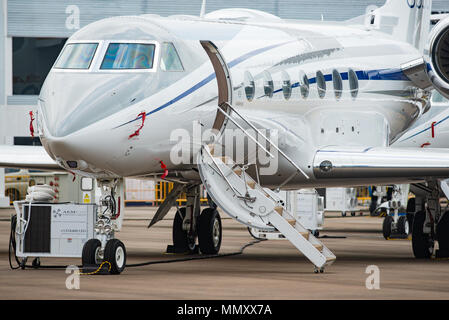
430 223
104 249
209 232
189 225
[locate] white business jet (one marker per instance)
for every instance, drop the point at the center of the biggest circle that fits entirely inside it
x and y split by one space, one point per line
321 101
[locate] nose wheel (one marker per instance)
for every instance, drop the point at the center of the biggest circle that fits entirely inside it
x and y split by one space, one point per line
114 254
91 252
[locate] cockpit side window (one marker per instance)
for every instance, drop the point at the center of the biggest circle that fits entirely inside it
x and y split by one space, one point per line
128 56
76 56
170 59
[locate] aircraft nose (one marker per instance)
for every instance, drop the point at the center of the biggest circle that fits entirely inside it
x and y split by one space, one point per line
72 101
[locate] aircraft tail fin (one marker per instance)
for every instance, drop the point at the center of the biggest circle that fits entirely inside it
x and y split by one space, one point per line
203 9
405 20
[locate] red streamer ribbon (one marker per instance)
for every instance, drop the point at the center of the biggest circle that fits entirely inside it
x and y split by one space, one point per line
433 128
31 124
164 167
137 132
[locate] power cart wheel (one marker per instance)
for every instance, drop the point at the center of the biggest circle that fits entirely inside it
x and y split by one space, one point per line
115 254
182 242
209 231
386 226
422 243
90 254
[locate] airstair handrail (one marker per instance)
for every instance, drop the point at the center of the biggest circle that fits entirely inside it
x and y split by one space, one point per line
261 134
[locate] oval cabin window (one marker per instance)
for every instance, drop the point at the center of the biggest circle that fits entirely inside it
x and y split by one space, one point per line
286 85
250 87
353 83
268 86
338 84
305 85
321 84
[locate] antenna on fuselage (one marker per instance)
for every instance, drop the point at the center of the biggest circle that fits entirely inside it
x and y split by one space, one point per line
203 9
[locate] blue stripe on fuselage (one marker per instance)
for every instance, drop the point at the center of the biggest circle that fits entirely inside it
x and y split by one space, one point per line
426 129
208 79
384 74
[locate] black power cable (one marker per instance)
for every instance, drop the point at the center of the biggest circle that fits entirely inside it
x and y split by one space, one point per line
197 258
12 243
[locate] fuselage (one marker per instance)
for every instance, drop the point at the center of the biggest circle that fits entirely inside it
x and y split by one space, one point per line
431 130
316 84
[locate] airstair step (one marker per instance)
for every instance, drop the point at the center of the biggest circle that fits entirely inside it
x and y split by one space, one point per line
251 184
225 159
279 210
305 235
280 218
211 149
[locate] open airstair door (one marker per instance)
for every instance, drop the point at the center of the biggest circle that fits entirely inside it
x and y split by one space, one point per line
236 192
223 80
241 197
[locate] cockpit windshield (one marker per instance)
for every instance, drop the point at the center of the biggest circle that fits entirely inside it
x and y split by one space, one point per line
128 56
170 60
76 56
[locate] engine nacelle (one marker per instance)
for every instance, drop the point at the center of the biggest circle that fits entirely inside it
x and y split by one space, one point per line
438 57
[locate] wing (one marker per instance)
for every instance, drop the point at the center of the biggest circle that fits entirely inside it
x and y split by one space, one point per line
389 165
27 157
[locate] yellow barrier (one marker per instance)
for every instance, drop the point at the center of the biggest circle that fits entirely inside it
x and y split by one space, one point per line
16 186
163 188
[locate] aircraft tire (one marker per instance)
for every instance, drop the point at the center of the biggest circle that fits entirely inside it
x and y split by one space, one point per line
115 254
442 233
89 255
209 231
403 226
181 240
386 227
422 243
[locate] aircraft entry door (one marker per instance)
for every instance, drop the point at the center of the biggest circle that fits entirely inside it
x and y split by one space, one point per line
223 80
